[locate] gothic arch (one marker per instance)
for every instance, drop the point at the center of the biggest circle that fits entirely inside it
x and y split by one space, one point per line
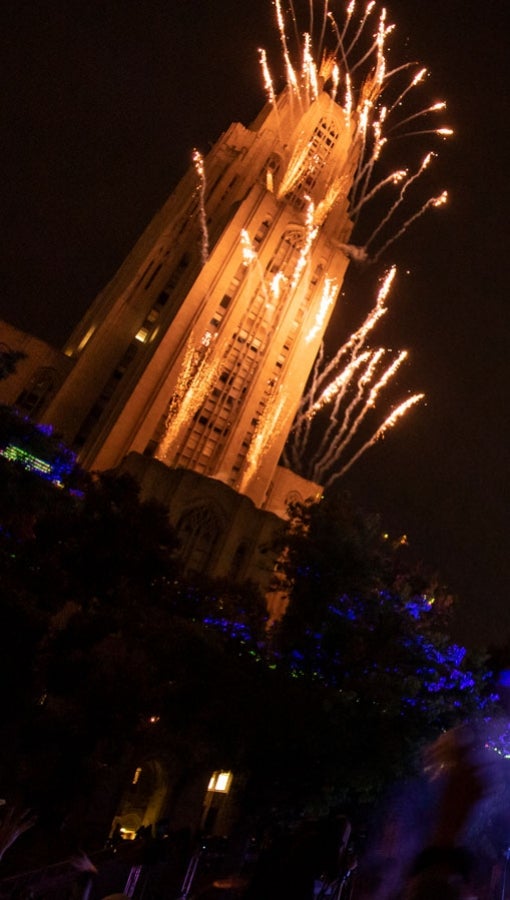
199 530
289 245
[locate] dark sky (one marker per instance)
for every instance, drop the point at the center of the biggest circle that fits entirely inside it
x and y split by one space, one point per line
102 104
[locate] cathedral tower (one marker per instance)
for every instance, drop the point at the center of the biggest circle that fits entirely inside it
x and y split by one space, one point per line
198 350
192 364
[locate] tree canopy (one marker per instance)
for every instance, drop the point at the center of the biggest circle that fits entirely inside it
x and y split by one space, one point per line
371 629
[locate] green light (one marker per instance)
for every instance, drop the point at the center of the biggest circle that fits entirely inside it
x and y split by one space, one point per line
27 460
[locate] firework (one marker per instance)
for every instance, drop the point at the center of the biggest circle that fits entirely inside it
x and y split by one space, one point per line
373 99
350 388
337 79
200 170
197 375
264 432
390 422
351 383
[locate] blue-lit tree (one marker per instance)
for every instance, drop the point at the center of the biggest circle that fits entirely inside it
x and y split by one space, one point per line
373 629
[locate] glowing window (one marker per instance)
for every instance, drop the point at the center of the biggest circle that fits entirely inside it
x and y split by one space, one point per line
220 782
86 338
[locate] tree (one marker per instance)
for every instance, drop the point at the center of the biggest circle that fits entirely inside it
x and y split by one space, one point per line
370 630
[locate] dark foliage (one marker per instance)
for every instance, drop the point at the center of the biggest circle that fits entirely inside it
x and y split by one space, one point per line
106 650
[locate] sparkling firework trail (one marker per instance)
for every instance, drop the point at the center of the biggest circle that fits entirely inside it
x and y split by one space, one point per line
390 422
414 81
338 428
341 442
350 11
268 81
352 388
310 70
350 348
364 175
378 46
327 299
301 425
195 380
421 112
200 170
304 255
394 178
433 201
291 75
349 383
440 132
335 393
335 386
400 199
269 424
361 26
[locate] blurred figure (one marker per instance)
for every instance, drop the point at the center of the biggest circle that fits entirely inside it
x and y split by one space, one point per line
466 775
422 849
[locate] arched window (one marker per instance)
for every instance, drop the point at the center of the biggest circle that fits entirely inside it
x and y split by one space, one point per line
287 252
307 168
198 530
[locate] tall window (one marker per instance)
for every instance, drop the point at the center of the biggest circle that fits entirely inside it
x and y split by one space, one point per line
322 142
198 530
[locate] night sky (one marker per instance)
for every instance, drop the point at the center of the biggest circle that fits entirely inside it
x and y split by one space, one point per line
102 105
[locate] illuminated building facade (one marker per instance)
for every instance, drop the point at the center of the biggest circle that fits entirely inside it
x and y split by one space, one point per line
195 356
203 350
190 365
198 350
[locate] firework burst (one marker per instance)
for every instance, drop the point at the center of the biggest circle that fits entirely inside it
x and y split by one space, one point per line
377 105
352 60
333 124
345 395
